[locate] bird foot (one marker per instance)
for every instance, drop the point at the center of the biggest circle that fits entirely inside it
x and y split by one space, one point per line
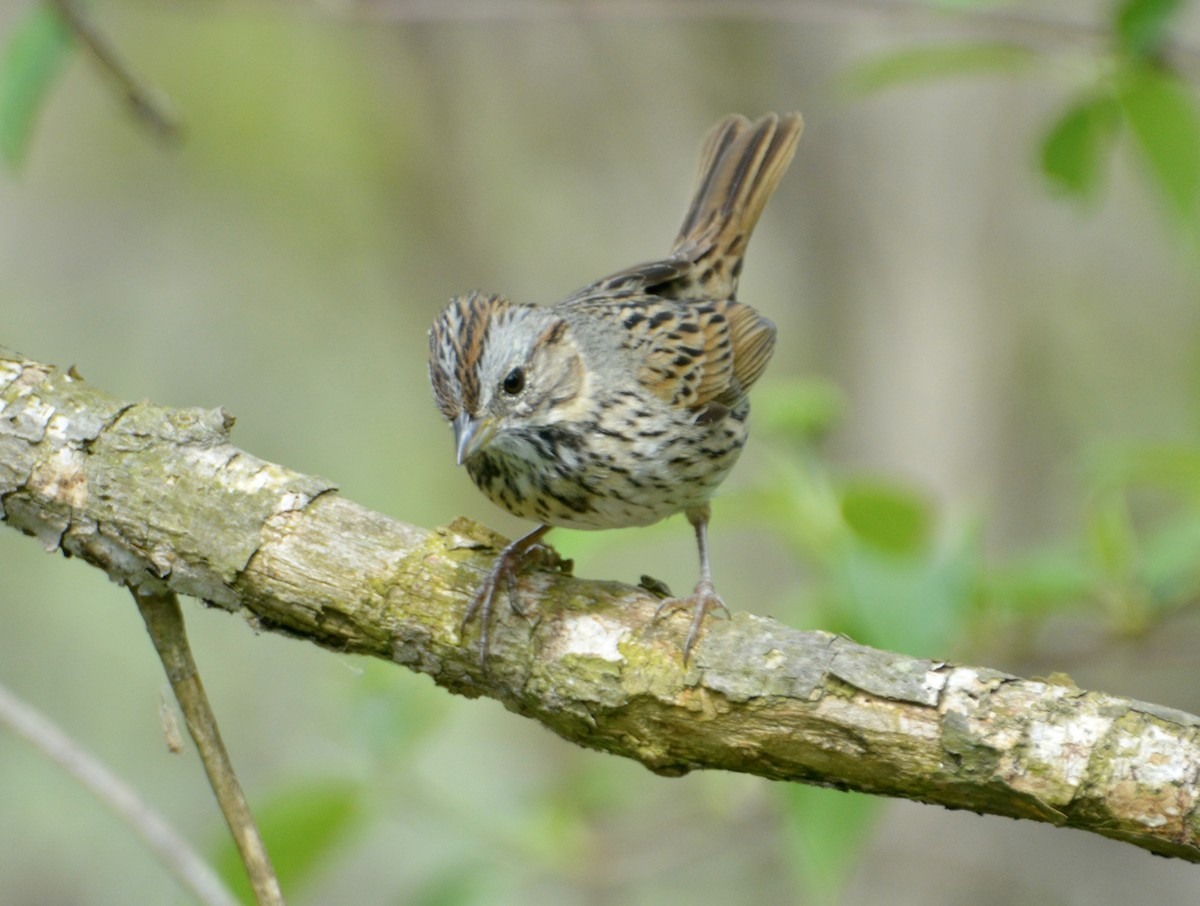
703 601
518 556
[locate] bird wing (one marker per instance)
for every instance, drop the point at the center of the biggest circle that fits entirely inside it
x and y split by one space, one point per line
690 354
650 277
695 345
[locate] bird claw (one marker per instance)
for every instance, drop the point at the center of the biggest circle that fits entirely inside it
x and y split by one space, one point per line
514 559
703 601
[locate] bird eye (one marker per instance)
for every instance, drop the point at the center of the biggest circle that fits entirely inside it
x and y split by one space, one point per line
514 382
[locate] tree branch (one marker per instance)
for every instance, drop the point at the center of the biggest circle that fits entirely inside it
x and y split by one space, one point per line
1024 26
148 105
160 497
192 872
164 622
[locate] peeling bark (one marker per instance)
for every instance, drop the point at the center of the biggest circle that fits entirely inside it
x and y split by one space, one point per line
161 497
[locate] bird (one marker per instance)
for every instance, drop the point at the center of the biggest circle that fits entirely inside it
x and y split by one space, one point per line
627 402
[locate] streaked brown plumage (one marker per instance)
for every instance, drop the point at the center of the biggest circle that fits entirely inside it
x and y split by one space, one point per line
626 402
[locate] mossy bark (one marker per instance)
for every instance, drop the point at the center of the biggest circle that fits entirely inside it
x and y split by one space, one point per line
161 497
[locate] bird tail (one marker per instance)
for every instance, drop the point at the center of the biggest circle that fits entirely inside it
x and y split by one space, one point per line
741 163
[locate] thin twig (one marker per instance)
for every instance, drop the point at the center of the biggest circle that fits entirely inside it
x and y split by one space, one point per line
149 105
164 621
172 849
1025 26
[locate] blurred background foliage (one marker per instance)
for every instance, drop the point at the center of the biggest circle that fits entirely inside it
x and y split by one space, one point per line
978 439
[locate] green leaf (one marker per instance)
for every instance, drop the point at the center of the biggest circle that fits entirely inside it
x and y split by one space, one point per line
887 516
826 831
918 604
299 827
921 64
1112 539
1076 149
1042 582
457 885
393 715
803 410
1172 562
1163 466
33 58
1142 25
1165 121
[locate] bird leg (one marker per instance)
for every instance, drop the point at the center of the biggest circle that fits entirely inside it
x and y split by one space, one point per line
507 566
704 599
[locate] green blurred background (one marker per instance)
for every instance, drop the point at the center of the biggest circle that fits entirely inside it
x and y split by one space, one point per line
977 440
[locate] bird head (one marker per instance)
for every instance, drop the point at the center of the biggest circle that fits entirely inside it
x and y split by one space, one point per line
500 371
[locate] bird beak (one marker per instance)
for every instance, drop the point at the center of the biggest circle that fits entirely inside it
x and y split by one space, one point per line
471 435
